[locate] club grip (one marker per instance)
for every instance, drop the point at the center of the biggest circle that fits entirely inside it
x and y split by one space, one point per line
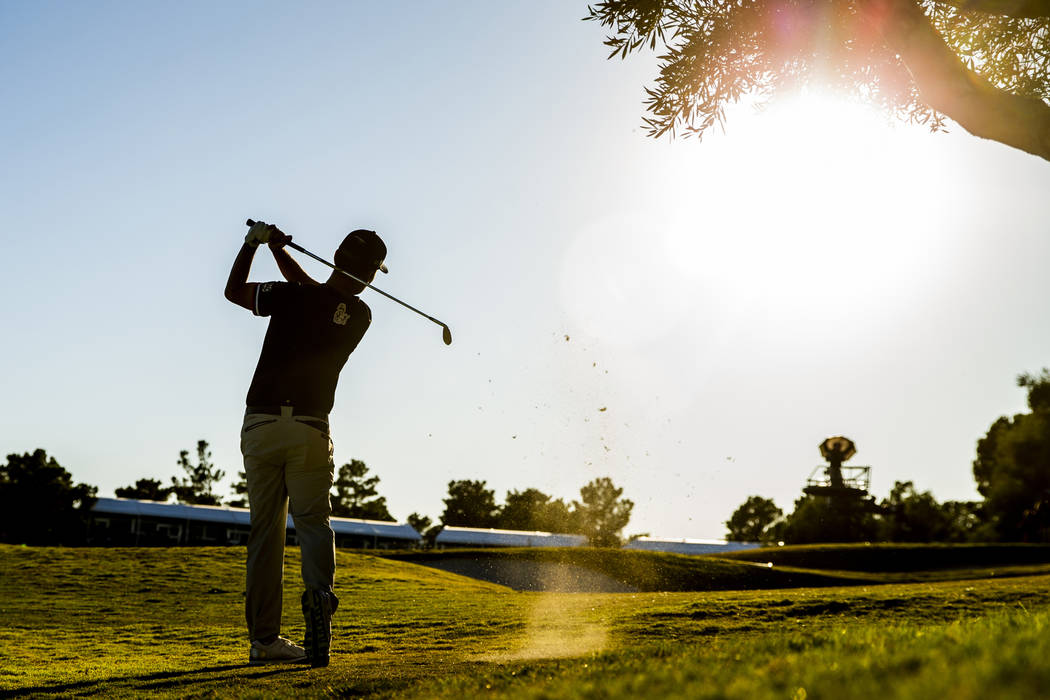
249 222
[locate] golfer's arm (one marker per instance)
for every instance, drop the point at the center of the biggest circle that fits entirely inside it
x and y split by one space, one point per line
238 289
290 268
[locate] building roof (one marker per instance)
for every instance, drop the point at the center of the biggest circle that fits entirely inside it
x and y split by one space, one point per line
686 546
241 516
488 537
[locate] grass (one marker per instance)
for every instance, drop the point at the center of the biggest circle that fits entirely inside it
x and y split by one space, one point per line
169 623
897 558
774 567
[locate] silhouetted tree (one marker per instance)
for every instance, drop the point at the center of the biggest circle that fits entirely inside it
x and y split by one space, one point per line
966 522
425 527
356 495
40 504
420 523
754 520
197 488
470 504
819 519
532 509
982 63
146 490
240 491
1012 468
602 513
911 516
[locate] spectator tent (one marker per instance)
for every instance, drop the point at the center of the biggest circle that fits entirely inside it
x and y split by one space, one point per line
125 521
654 544
481 537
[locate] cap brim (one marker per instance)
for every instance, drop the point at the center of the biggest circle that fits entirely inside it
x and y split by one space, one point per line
382 268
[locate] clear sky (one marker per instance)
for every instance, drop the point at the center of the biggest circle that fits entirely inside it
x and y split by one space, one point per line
688 318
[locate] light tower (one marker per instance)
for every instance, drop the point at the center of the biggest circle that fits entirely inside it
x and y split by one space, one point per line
843 491
838 482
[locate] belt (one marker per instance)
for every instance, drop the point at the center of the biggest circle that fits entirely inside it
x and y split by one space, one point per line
296 411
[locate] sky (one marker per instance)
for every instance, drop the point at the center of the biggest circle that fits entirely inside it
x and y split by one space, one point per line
689 318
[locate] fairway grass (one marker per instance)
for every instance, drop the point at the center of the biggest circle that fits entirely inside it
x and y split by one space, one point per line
169 623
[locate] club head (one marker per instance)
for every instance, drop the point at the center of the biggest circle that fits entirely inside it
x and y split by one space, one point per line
446 334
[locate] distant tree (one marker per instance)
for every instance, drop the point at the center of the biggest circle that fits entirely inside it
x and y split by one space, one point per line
240 491
1012 468
911 516
982 63
470 504
966 522
819 519
557 516
356 494
145 490
522 509
197 487
602 513
40 504
753 521
532 509
425 527
419 523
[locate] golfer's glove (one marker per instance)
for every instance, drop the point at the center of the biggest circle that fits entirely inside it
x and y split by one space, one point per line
259 233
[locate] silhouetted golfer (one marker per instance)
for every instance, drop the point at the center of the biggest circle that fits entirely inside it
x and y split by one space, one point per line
285 438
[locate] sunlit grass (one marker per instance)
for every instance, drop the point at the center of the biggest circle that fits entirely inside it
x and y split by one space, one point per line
169 623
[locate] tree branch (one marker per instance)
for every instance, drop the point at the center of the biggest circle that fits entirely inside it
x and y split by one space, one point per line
1019 9
947 85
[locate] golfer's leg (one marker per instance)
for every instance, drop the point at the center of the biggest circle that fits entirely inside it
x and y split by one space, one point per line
268 499
309 475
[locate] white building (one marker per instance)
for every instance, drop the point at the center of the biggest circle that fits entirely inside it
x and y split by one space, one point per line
488 537
684 546
128 521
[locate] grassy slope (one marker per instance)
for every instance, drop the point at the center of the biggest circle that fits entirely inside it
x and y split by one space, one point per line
168 623
166 620
893 558
651 571
792 567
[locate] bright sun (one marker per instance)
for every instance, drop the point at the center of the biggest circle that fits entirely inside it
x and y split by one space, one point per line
819 206
811 212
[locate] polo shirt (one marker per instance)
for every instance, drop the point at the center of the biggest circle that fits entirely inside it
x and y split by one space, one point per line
312 331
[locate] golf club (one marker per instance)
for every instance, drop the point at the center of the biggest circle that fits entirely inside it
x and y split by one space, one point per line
446 334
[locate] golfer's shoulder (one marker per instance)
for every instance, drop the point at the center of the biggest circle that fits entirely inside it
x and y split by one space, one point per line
362 309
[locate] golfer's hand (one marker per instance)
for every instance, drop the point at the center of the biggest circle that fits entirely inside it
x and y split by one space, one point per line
278 239
260 232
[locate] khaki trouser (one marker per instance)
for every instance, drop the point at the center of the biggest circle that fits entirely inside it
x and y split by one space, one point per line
285 461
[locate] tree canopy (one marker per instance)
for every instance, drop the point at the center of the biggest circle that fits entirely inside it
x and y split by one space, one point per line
1012 467
912 516
602 513
198 486
357 495
753 521
39 502
146 490
983 63
532 509
470 504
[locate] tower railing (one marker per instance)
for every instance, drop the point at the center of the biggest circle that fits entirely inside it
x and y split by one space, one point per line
852 478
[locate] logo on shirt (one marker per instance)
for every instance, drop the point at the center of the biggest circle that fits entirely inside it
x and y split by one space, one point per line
341 317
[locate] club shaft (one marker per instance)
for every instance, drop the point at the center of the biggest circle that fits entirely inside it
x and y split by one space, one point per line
321 260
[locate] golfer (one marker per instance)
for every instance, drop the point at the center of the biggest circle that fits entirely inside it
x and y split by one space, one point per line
285 439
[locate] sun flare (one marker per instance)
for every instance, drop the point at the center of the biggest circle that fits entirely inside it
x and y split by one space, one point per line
814 208
819 207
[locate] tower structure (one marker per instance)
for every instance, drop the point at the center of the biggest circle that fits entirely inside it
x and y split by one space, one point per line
842 492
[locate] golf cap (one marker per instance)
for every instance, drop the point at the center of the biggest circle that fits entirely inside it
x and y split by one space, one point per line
364 247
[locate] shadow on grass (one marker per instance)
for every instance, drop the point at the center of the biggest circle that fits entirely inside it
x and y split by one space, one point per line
156 681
